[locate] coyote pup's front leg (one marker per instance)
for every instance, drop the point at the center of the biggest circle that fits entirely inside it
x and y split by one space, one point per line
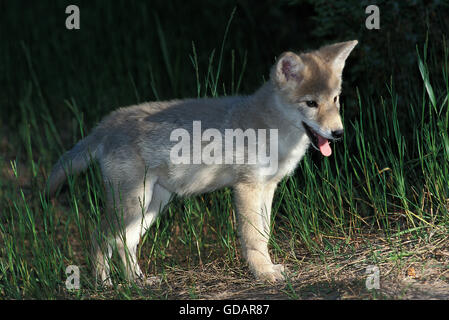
253 206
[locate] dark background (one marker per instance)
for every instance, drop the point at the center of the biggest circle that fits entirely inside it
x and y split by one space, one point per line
125 47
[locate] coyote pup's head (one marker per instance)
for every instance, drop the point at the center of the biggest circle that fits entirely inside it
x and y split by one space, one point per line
308 87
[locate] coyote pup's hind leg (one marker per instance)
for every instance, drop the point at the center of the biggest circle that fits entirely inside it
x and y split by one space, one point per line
158 197
128 238
134 202
129 190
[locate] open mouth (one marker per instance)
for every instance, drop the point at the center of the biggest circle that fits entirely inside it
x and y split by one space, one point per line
318 142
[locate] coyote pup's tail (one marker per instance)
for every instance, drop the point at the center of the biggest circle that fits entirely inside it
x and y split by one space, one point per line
73 161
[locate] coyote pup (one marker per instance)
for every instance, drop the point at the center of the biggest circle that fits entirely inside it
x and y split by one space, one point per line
133 147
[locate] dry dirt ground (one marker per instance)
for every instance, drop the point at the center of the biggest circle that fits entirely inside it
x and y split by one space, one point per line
407 270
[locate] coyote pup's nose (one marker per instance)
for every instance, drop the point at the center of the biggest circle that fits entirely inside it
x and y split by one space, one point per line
337 134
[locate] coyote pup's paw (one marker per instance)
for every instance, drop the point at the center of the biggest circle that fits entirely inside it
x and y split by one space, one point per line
274 273
150 281
144 281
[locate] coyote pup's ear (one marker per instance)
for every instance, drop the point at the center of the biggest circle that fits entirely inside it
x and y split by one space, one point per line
337 53
288 70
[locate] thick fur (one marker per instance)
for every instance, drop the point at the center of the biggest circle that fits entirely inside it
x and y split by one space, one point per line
132 146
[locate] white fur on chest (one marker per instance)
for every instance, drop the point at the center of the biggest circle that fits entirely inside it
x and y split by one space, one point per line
290 157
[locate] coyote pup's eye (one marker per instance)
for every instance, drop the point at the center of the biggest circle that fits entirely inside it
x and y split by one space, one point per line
312 104
335 99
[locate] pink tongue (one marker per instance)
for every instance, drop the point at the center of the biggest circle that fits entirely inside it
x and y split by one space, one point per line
324 146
